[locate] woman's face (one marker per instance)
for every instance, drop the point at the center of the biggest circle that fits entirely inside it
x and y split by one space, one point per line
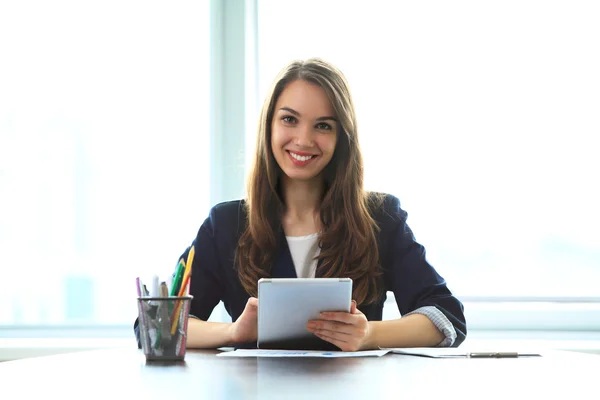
303 131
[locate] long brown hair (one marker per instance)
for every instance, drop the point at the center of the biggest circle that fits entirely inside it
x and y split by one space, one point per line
348 242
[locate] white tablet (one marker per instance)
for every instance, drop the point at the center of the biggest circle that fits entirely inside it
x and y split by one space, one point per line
285 305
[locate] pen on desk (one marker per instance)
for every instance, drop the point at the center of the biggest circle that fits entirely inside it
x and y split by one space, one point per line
492 355
509 354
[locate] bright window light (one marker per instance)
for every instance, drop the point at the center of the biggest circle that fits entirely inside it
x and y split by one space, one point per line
482 117
103 153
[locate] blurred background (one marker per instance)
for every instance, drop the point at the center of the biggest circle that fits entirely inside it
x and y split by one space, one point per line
123 122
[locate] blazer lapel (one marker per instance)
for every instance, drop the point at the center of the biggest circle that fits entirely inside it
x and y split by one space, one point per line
284 266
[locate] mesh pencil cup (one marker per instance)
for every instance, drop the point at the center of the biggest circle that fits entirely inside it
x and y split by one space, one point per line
163 326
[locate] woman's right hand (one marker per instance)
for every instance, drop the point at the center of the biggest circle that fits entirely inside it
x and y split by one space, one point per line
245 328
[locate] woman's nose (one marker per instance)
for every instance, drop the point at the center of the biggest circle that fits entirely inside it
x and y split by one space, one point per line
304 137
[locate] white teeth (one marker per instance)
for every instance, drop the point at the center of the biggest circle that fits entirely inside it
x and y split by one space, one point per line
300 158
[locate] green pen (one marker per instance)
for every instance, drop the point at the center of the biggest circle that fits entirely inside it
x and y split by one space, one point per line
177 278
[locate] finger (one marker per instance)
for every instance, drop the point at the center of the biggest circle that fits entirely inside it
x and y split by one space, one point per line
252 305
331 326
353 307
252 301
343 317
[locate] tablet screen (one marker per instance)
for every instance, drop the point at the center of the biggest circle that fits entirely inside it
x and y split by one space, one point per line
285 305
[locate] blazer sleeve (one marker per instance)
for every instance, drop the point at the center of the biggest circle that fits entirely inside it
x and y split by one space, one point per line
414 282
206 283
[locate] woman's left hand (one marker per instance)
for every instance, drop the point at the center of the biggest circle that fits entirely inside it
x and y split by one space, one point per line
348 331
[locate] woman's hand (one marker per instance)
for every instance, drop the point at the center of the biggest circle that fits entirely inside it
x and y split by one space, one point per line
245 328
348 331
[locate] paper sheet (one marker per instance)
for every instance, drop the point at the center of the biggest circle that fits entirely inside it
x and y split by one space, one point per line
301 353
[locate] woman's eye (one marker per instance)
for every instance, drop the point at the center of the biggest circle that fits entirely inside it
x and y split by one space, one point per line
289 119
324 126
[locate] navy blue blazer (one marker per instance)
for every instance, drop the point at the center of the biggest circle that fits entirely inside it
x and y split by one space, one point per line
406 272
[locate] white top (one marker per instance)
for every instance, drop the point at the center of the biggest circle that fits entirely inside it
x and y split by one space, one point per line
304 249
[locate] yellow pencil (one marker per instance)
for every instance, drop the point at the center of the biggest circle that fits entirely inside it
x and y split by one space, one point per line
187 272
182 290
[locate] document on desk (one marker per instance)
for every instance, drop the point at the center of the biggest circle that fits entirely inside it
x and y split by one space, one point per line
301 353
449 352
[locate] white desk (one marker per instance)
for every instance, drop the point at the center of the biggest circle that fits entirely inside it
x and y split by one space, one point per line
124 374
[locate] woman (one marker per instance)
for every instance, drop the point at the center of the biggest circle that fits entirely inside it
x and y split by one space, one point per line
307 215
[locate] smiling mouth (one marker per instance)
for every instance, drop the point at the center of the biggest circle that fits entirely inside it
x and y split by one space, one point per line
299 157
301 160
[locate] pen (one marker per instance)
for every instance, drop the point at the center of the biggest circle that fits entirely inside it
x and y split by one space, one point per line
184 283
164 312
177 278
509 354
164 291
155 287
138 285
188 272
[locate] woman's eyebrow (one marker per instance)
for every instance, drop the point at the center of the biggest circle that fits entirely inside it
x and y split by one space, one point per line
290 110
327 119
296 113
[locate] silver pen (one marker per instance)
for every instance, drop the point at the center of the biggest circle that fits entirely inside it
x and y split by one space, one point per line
497 354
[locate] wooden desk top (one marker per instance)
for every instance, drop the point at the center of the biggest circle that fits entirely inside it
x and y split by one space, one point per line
124 373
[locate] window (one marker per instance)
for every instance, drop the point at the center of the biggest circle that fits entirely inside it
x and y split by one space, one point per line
103 163
482 118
